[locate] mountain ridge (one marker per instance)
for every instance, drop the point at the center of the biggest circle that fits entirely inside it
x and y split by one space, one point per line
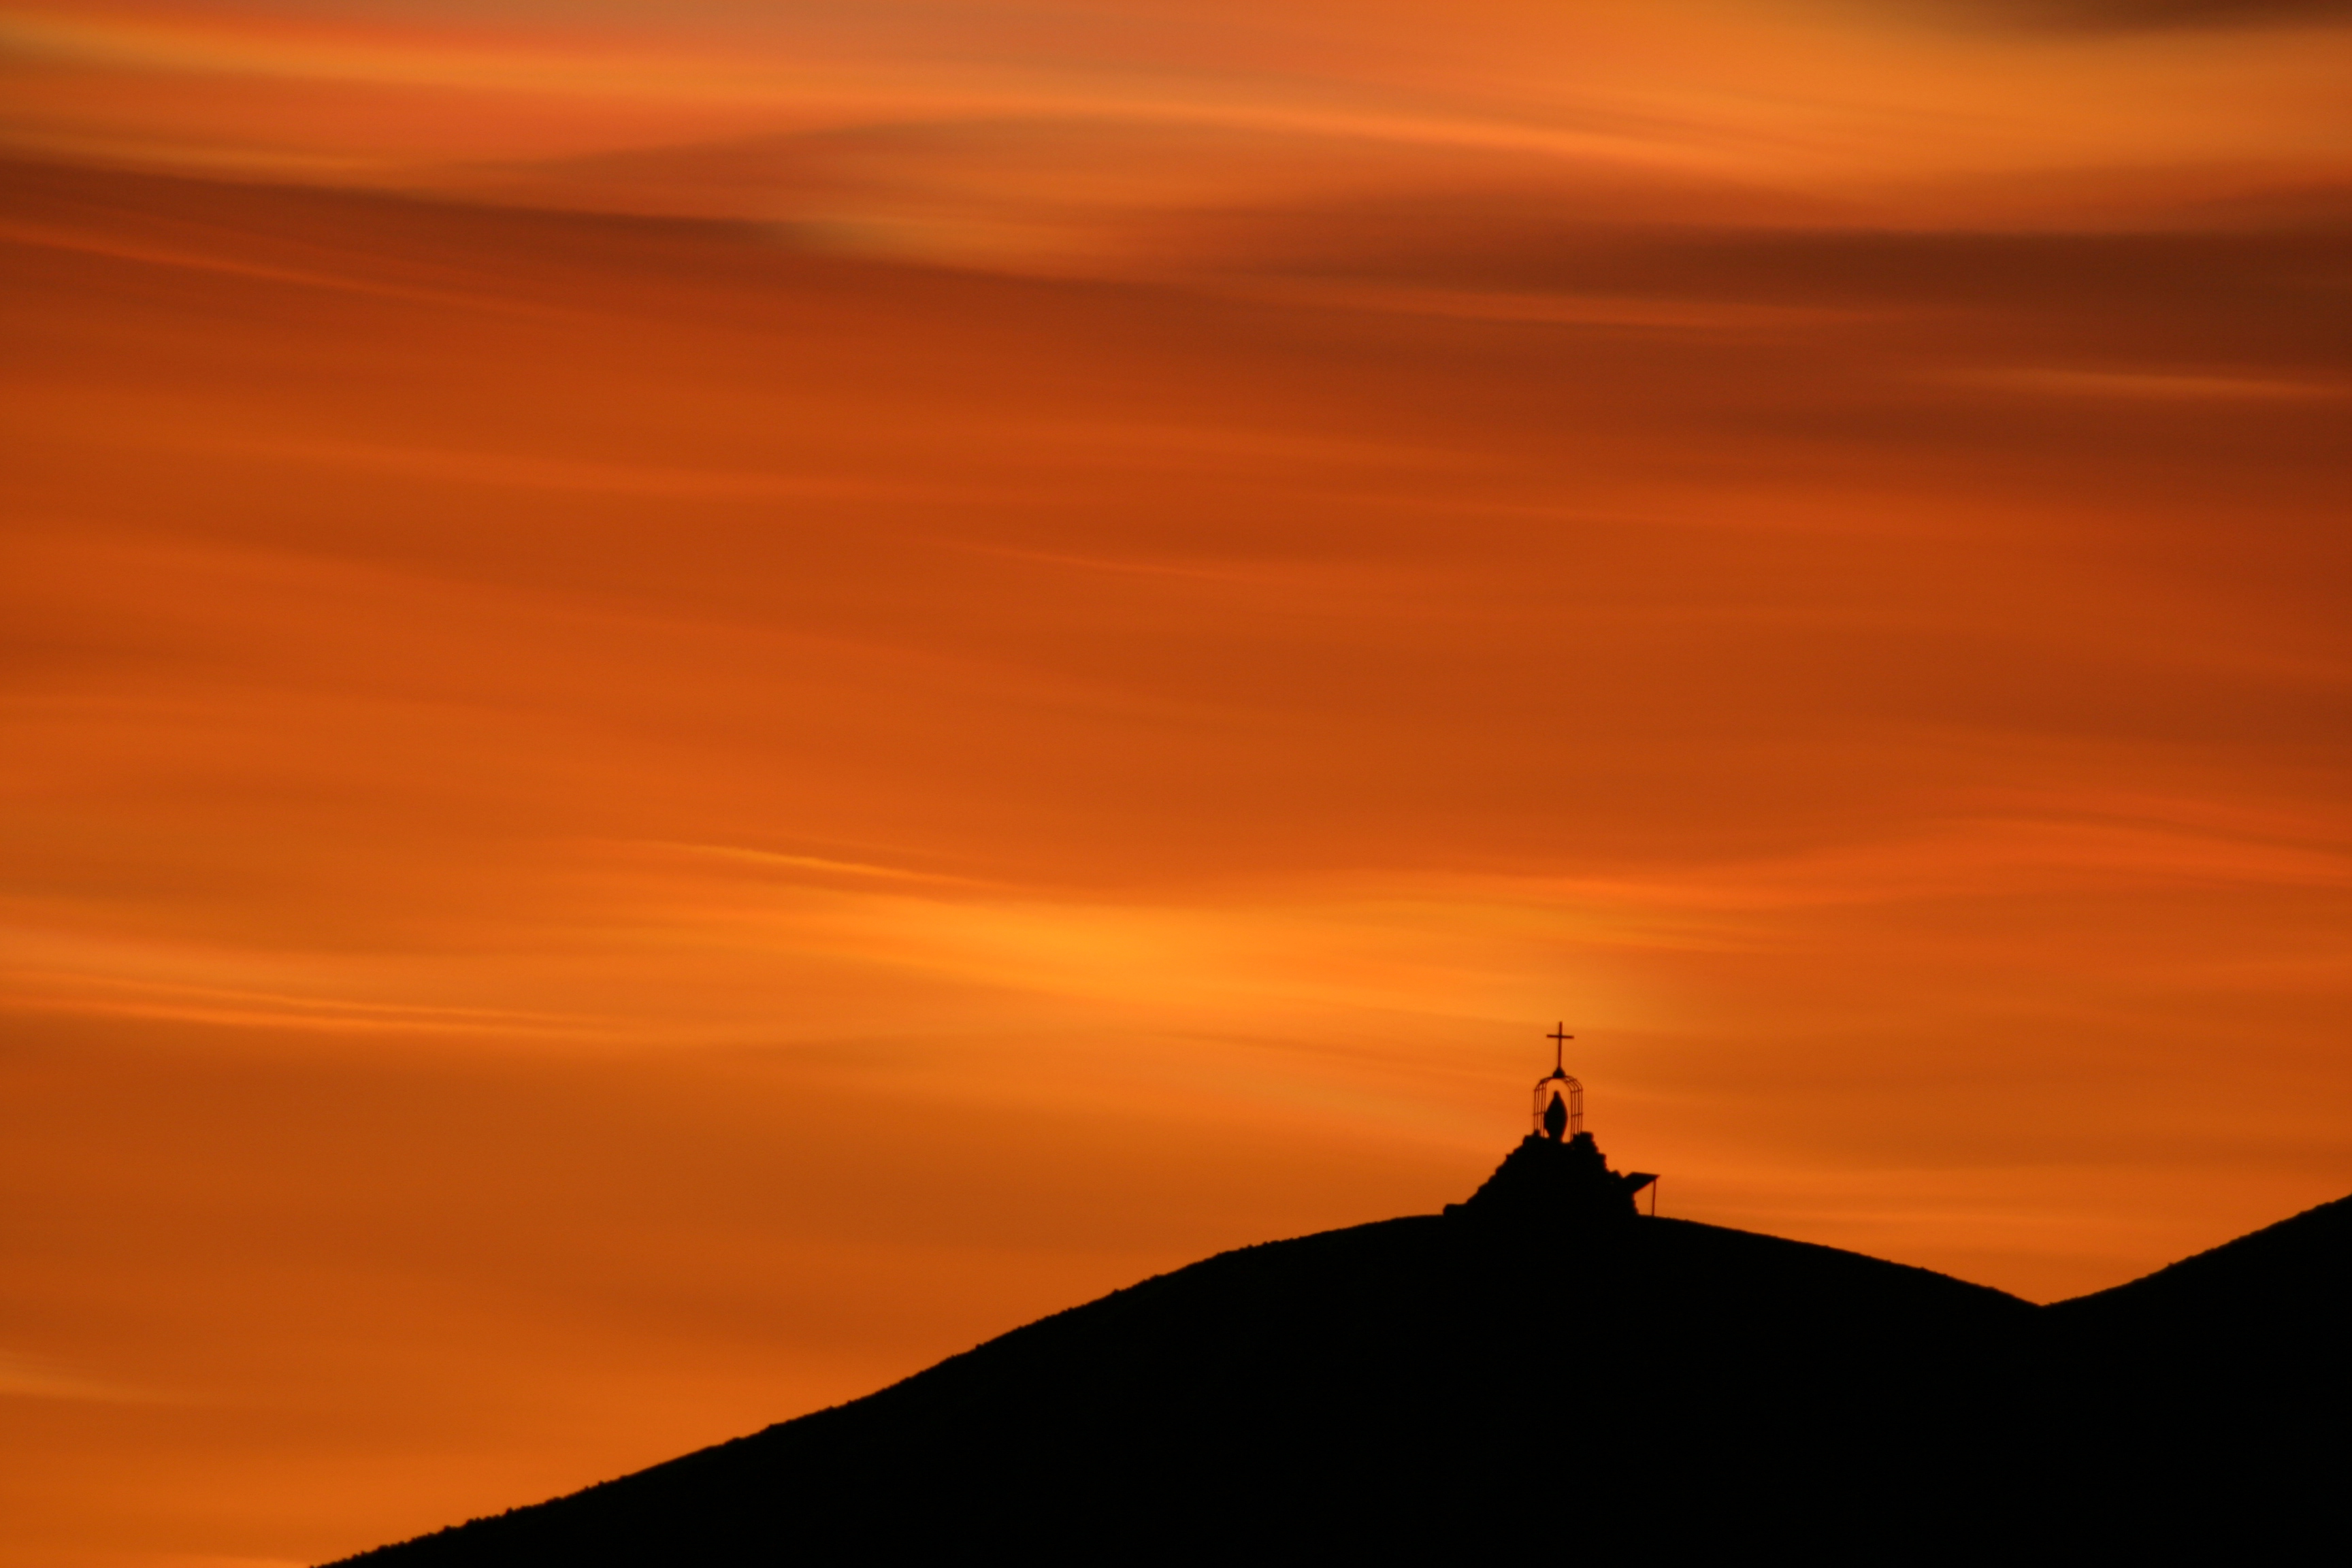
1401 1382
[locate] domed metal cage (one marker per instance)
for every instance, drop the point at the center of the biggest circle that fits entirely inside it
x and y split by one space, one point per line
1557 1089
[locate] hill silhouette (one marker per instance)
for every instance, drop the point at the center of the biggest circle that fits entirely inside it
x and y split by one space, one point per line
2221 1379
1539 1369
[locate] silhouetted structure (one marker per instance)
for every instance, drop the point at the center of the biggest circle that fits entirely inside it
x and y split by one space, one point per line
1548 1178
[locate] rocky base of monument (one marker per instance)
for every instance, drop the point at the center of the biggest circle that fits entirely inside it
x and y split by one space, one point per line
1548 1181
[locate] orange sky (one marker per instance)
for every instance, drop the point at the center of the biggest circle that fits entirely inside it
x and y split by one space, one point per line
703 701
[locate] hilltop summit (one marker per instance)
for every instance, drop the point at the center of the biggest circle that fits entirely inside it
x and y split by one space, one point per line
1540 1370
1360 1388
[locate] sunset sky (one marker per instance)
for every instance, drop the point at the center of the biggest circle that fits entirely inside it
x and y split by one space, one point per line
703 700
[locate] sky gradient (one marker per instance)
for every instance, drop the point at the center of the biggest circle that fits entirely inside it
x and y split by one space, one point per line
704 700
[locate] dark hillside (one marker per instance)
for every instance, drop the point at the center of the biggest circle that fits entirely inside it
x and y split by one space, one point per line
2227 1374
1537 1366
1416 1375
2296 1274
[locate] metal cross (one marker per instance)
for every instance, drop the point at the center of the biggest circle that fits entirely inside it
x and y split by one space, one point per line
1559 1037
